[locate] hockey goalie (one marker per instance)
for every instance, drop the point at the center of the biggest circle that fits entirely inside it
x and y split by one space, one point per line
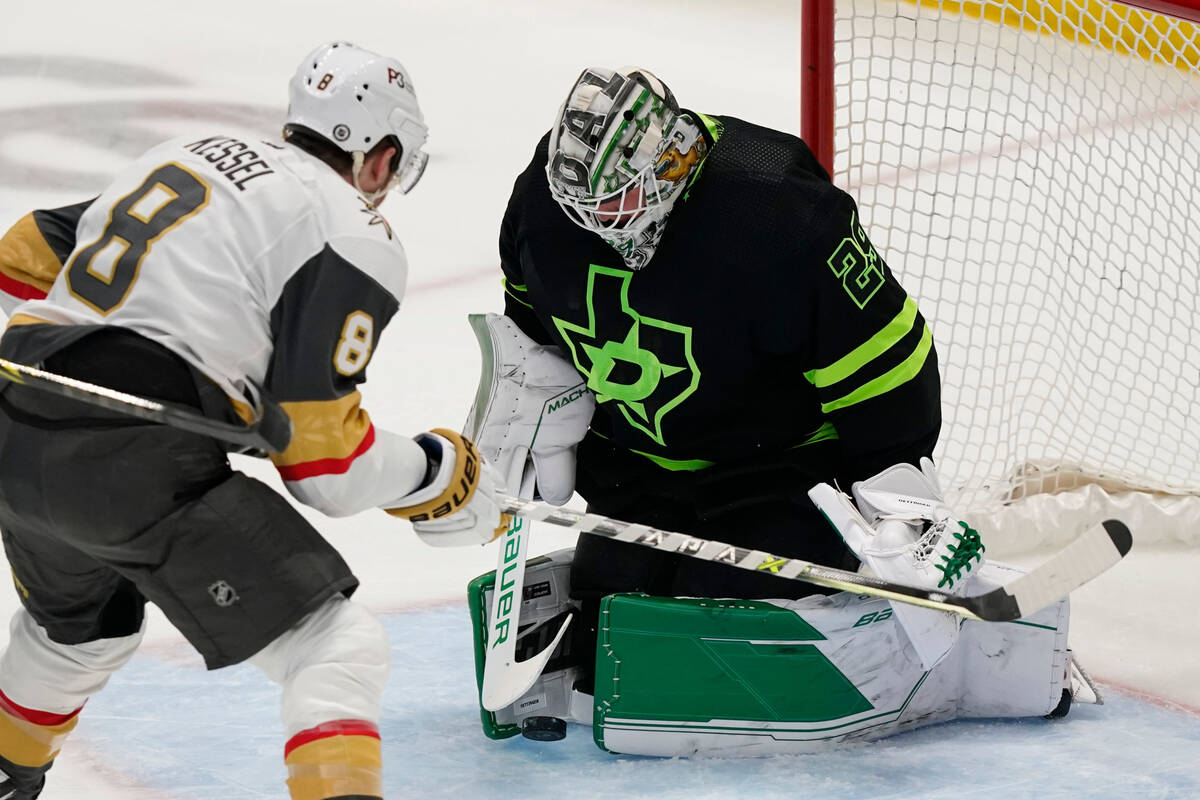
699 336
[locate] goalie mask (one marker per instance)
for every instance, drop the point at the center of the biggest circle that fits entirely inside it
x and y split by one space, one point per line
355 99
620 155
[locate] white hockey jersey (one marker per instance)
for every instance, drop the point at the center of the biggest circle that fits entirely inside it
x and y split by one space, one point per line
259 265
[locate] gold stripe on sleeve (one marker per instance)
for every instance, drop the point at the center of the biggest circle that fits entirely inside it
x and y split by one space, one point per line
26 257
325 434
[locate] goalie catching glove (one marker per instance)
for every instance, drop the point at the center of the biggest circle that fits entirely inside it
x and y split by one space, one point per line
903 530
531 410
456 504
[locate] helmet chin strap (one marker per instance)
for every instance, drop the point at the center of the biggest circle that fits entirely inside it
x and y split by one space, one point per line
372 197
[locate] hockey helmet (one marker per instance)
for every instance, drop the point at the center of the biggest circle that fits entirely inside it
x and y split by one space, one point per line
620 152
355 98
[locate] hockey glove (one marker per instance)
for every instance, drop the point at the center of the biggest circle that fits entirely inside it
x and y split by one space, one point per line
456 505
903 530
531 410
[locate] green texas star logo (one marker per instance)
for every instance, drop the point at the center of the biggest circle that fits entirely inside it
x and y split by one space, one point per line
644 365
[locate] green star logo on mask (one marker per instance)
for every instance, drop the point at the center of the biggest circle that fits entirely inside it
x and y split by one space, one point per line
644 365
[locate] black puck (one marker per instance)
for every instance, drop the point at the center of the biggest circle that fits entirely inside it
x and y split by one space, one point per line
544 729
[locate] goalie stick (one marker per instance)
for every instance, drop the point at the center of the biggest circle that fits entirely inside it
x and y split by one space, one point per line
504 678
1097 549
270 431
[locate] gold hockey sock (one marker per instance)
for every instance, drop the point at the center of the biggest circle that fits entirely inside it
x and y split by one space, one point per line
29 741
339 759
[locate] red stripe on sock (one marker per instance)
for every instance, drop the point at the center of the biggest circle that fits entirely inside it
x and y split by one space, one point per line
33 715
338 727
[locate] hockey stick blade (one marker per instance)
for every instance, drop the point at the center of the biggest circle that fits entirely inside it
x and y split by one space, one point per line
270 431
1097 550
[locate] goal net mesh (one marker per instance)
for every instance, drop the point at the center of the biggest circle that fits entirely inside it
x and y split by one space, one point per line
1029 172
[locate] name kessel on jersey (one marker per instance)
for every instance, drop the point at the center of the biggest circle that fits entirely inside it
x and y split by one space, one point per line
231 157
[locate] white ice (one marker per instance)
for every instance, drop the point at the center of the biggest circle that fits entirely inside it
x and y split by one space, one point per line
85 86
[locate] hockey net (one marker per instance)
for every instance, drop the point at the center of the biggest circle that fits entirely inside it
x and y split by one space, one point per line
1029 171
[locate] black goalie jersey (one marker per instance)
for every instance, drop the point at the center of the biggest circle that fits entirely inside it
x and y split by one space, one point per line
766 322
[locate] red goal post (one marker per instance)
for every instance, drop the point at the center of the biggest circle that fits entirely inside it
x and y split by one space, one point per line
1028 170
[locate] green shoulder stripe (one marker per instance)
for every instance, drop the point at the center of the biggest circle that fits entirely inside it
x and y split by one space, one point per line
902 373
868 351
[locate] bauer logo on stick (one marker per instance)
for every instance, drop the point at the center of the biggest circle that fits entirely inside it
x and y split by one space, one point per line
506 582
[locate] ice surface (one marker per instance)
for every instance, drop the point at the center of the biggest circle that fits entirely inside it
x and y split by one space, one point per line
434 746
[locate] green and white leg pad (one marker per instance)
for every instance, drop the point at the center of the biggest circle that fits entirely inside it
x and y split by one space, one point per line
681 677
691 676
543 603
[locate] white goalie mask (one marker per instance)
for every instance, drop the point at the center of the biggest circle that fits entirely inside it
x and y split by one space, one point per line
620 156
355 99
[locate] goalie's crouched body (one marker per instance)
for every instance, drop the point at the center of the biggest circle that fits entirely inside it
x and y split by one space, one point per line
657 669
678 676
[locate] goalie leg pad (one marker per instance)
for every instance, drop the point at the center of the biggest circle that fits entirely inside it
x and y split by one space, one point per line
544 601
1013 669
687 676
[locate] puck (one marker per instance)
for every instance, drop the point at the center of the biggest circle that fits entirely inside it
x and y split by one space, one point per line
544 729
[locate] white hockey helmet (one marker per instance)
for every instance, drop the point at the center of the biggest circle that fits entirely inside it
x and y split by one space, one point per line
620 152
355 99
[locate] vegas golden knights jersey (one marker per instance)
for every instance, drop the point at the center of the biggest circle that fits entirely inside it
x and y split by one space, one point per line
258 265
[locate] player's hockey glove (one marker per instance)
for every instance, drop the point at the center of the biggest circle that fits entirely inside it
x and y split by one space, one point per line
531 410
903 529
456 504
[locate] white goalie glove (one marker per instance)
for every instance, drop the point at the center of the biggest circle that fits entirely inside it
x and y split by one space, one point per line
456 505
531 410
903 530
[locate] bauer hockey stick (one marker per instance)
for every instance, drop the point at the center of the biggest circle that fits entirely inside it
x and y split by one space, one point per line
504 678
1097 549
270 431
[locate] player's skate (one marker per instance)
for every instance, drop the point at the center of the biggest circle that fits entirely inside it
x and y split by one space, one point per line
19 782
904 532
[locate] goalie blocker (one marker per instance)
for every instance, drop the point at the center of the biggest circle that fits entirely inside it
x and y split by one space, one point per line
692 676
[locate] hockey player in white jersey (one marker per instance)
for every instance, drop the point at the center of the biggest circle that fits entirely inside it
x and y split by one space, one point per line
219 273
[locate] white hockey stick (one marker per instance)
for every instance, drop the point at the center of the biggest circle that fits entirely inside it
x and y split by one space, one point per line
504 678
1097 549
